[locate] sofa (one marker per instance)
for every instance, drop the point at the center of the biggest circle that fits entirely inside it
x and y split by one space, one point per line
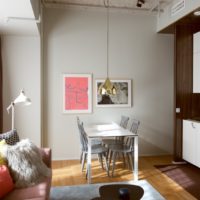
40 191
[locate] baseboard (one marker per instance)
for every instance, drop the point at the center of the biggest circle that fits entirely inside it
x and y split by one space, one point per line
179 162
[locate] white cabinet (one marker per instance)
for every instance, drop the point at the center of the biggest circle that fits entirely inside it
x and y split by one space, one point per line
191 142
196 62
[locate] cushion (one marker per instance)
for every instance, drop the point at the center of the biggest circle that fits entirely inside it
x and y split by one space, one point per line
11 137
25 163
6 183
2 157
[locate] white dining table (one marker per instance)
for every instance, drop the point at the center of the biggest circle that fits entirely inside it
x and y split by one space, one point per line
107 131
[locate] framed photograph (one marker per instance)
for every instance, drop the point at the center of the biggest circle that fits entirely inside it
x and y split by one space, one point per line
122 97
77 93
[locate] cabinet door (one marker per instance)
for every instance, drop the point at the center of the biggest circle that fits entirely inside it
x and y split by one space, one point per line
189 134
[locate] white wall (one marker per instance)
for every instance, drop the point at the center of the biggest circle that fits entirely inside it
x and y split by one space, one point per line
21 69
75 42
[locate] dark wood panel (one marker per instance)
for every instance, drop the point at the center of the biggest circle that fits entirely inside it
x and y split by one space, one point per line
183 70
196 106
177 156
183 83
188 102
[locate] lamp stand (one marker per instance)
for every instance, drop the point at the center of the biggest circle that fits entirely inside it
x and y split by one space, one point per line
13 116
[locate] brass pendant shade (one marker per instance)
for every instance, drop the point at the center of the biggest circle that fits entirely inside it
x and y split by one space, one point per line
107 88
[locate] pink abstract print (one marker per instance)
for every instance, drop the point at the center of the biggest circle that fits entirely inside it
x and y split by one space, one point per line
76 93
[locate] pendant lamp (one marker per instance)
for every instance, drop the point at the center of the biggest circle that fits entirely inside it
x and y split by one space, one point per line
107 88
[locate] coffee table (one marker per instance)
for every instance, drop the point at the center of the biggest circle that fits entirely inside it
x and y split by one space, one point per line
112 191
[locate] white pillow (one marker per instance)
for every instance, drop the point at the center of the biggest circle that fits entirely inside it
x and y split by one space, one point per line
25 164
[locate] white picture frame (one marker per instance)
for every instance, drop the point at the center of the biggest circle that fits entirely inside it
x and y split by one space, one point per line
123 97
77 93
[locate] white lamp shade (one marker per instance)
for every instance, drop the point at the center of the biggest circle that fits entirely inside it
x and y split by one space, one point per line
22 99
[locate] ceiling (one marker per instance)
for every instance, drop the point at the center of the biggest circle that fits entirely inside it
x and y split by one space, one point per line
149 5
19 16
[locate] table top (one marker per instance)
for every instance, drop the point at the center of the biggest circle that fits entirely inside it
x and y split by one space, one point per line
109 130
102 127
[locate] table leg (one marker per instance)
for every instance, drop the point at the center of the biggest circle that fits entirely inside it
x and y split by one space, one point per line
89 160
135 172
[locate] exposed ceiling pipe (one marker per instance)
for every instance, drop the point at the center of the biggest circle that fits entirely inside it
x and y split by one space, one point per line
90 5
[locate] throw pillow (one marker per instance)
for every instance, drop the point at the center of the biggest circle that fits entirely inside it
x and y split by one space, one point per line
6 183
11 137
25 163
2 156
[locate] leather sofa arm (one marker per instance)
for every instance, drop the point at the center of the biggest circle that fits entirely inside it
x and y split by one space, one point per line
46 156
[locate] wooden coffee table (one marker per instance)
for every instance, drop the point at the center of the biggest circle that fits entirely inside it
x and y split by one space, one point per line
112 191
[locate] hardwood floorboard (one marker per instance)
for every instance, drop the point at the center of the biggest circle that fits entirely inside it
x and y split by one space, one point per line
68 172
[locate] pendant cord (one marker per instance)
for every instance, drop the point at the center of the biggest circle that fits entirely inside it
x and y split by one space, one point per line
108 20
108 39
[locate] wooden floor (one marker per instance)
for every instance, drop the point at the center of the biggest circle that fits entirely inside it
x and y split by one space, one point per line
69 173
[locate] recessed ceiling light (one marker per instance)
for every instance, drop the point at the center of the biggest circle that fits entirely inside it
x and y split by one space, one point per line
197 13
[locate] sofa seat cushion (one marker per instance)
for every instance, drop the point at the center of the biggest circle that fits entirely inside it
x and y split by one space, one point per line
36 192
6 183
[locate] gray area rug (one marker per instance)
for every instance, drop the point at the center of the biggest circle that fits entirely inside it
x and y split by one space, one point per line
87 192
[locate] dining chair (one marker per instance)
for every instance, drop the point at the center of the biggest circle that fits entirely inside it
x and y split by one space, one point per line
98 149
94 142
126 149
117 140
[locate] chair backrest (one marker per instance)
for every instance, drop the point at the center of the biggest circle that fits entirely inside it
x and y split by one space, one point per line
124 121
78 121
133 125
82 135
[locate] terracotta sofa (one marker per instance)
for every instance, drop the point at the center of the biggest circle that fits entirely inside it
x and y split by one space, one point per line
40 191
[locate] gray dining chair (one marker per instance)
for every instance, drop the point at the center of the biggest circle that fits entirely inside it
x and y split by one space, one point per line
126 149
98 149
94 142
117 140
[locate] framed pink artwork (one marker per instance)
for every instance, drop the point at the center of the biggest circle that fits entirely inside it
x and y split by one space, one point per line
77 93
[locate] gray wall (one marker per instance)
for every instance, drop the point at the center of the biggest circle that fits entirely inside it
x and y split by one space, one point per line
75 42
21 70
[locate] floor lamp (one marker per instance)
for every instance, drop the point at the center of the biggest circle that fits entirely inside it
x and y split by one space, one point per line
20 100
